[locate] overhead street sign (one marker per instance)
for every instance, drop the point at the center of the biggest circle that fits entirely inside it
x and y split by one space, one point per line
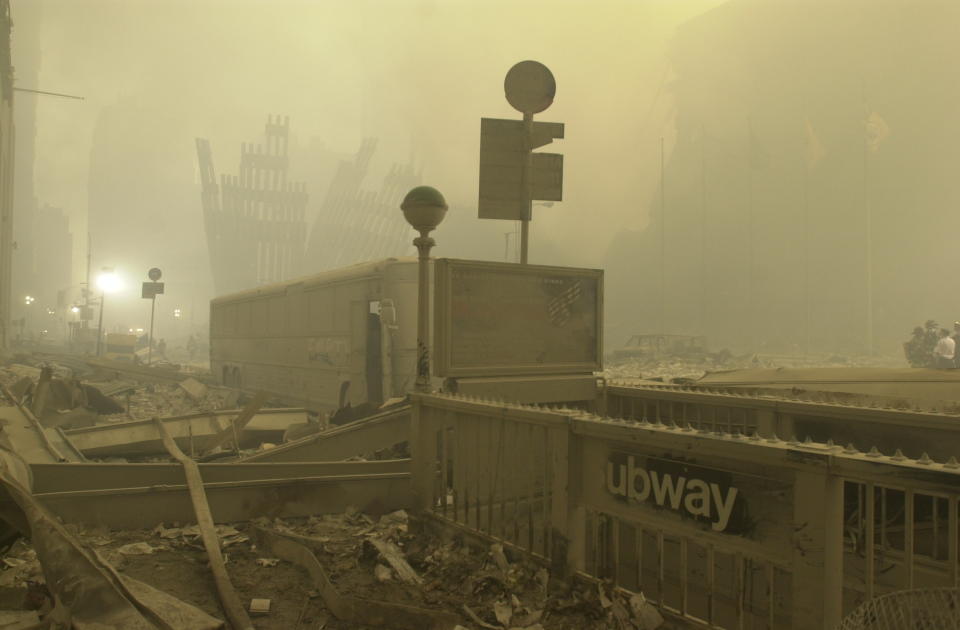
151 289
504 134
504 147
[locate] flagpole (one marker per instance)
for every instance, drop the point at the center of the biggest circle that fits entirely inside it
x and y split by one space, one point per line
806 256
703 230
751 317
663 250
869 239
868 212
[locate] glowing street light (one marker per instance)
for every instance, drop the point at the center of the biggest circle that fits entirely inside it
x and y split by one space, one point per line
28 300
74 309
177 313
107 282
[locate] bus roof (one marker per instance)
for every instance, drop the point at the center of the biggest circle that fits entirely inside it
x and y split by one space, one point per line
334 275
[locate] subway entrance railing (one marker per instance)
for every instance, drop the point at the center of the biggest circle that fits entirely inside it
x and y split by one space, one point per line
723 530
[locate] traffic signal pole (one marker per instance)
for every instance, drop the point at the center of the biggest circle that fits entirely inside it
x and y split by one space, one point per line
527 181
511 174
153 306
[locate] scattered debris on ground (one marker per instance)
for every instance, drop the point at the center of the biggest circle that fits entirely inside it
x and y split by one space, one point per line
669 368
392 563
336 572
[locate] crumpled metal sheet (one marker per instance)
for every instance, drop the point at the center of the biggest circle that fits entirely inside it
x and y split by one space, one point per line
87 590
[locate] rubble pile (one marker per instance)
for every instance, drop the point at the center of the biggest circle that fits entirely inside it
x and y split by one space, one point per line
393 559
170 399
669 368
108 396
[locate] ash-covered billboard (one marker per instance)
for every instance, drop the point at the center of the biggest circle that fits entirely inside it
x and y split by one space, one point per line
500 319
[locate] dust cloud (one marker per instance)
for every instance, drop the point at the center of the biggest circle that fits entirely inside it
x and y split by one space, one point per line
783 128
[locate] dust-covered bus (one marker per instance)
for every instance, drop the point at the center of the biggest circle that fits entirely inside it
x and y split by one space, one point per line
527 333
343 336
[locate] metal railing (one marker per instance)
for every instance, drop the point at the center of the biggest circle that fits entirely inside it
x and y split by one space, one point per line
722 529
820 416
491 474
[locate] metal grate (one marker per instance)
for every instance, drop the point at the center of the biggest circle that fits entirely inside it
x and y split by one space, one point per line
920 609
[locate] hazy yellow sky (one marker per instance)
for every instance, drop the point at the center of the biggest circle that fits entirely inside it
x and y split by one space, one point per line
417 74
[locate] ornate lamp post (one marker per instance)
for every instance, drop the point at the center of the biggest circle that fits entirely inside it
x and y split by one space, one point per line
423 208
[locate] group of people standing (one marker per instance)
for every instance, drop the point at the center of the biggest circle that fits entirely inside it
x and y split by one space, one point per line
945 353
931 346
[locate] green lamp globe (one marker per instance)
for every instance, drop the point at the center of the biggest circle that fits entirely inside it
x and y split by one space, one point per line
424 208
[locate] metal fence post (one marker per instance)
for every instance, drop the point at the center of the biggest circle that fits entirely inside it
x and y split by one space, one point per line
766 422
422 455
560 499
817 550
569 512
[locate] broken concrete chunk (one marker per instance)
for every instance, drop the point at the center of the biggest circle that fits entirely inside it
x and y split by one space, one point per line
529 619
543 578
395 558
503 612
194 388
499 558
382 573
259 606
645 615
267 562
477 620
137 549
19 619
169 534
400 517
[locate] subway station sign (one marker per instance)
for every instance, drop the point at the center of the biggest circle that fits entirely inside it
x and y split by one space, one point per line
704 494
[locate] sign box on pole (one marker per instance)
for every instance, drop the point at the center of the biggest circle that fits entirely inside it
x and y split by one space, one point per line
502 319
151 290
503 151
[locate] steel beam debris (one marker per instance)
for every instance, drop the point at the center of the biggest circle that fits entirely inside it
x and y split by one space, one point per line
379 431
238 424
137 507
81 477
23 433
196 432
88 592
234 610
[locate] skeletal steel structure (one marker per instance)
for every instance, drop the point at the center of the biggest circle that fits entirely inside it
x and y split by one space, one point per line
376 230
255 221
